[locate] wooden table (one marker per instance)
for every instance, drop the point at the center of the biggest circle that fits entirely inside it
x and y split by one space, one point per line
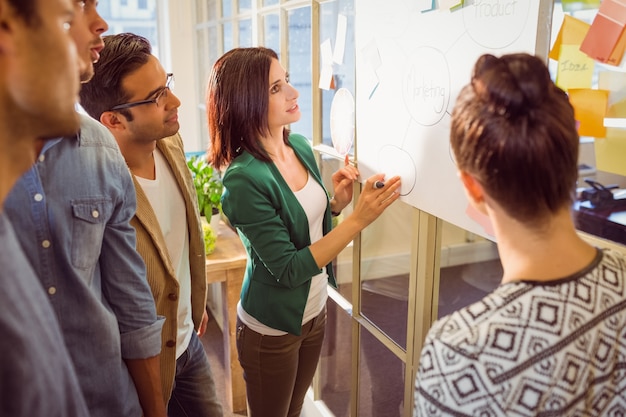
226 266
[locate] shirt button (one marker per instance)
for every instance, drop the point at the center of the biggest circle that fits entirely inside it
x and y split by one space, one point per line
52 290
42 158
95 214
170 343
172 297
45 243
38 197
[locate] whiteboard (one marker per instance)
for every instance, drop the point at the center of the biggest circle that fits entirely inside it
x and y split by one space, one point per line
411 66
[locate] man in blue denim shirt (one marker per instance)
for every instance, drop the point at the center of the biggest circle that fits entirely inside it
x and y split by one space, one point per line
37 375
73 212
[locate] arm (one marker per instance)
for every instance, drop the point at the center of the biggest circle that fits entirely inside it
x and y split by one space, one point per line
203 325
372 202
146 374
126 291
270 219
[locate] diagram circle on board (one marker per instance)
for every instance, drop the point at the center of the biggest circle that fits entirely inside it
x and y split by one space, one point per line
342 121
426 86
393 161
496 24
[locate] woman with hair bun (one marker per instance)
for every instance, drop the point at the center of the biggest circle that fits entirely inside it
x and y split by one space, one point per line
551 338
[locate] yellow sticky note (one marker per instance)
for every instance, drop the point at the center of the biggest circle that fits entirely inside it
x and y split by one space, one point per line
589 110
572 32
451 5
615 83
617 110
575 69
611 152
576 5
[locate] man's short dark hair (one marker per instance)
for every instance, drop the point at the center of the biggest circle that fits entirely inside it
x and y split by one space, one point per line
123 54
27 9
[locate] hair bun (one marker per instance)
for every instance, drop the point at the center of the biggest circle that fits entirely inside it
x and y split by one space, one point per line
506 88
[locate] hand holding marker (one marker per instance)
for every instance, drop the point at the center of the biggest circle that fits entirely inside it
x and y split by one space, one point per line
342 125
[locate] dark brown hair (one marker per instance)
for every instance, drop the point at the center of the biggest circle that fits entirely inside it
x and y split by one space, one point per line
514 130
28 10
123 54
237 104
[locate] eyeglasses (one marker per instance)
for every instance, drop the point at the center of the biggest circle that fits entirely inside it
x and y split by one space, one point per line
162 93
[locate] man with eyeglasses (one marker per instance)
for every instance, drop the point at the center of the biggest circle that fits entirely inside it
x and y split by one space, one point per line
131 95
73 212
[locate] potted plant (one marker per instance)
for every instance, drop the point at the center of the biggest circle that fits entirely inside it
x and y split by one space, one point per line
208 184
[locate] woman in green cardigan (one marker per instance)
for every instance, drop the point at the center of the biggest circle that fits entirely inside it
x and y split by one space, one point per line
274 196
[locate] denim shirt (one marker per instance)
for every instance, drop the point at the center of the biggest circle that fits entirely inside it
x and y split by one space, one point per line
71 213
37 375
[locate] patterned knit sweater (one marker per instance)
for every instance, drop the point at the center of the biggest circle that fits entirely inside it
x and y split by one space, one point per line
532 349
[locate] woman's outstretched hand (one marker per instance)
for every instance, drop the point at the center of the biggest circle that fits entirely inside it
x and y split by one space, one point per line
374 200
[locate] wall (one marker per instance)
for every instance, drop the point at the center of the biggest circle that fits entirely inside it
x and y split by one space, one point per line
180 56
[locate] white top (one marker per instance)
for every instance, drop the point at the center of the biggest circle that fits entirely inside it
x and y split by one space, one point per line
312 198
169 207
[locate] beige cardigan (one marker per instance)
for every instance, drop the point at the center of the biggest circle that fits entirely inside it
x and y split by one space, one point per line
161 276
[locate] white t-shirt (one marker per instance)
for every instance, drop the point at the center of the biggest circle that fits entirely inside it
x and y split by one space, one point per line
169 207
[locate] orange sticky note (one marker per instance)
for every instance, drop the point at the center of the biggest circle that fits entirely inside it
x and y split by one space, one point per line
606 40
575 69
572 32
589 110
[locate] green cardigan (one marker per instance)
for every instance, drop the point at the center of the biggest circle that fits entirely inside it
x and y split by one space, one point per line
275 233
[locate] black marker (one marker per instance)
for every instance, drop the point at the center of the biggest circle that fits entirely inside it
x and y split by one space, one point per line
379 184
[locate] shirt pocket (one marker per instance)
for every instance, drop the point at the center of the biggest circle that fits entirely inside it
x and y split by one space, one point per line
88 224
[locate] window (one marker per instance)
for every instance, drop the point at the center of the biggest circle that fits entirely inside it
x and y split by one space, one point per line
599 158
248 25
139 16
288 27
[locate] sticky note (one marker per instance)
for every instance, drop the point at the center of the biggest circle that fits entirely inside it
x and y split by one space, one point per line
326 70
433 6
369 72
451 5
575 69
589 110
610 152
575 5
572 32
615 83
340 39
605 41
